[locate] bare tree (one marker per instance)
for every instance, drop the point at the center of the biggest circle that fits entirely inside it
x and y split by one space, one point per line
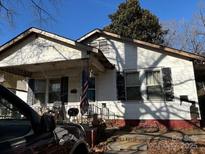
9 9
187 35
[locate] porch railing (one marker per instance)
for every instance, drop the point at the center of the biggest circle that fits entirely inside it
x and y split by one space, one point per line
103 113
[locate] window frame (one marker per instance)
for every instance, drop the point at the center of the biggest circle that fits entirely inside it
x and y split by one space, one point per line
41 92
125 80
92 89
47 91
161 84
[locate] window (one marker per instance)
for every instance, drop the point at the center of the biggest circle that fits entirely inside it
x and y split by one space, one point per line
8 111
132 86
39 91
154 87
47 91
54 90
13 120
91 89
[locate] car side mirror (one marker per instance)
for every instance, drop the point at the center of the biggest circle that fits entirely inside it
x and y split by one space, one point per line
47 123
73 112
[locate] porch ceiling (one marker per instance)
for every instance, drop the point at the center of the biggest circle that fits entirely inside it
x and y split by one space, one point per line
29 69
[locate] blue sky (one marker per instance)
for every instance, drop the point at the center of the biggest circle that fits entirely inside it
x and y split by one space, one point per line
74 18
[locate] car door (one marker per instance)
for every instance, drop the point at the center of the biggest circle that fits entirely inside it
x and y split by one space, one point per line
18 129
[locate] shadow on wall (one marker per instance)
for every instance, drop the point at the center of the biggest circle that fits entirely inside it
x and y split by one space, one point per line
33 49
141 109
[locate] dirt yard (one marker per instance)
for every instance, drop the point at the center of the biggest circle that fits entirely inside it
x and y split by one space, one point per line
157 142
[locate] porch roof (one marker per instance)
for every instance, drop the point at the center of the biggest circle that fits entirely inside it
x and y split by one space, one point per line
28 70
96 57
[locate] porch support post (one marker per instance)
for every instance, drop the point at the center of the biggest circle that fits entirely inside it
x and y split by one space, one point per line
84 87
2 79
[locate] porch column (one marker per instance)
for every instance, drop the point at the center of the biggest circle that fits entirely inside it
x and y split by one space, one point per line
84 87
64 95
1 78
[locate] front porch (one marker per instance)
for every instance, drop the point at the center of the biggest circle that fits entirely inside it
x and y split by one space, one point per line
44 84
45 69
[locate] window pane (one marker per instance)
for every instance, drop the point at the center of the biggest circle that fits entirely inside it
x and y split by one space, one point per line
132 79
54 85
54 90
154 92
91 83
40 86
54 97
91 89
39 98
153 78
133 93
91 95
8 111
39 91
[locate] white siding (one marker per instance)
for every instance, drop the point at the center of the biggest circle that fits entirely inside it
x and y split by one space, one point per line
38 50
127 56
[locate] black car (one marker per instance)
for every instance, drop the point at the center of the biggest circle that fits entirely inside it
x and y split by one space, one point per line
22 130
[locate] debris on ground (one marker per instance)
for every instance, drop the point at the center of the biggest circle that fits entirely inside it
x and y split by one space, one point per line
153 142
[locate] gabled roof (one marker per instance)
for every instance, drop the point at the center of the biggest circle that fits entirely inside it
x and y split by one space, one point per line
57 38
40 32
168 50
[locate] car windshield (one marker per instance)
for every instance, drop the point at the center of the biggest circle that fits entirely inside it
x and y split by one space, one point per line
8 111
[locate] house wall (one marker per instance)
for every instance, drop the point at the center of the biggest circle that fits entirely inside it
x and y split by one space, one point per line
34 50
126 56
16 83
74 81
38 50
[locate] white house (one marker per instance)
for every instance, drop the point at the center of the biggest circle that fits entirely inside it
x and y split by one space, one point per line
141 83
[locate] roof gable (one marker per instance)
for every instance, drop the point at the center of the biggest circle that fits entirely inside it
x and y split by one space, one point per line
46 34
167 50
32 38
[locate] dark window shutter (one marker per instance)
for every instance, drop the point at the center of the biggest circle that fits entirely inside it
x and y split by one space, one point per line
64 89
167 84
30 97
120 86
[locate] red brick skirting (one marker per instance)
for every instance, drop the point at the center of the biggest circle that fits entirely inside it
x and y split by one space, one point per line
169 124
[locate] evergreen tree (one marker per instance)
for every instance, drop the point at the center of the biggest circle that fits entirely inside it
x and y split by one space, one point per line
132 21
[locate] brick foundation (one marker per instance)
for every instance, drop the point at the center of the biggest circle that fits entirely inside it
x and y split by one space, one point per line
169 124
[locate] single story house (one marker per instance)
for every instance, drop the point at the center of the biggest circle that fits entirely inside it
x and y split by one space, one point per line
141 83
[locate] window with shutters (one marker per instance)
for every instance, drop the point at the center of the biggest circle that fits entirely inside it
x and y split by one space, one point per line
154 85
91 89
132 86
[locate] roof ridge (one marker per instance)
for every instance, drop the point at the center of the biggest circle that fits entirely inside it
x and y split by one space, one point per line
39 31
136 41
